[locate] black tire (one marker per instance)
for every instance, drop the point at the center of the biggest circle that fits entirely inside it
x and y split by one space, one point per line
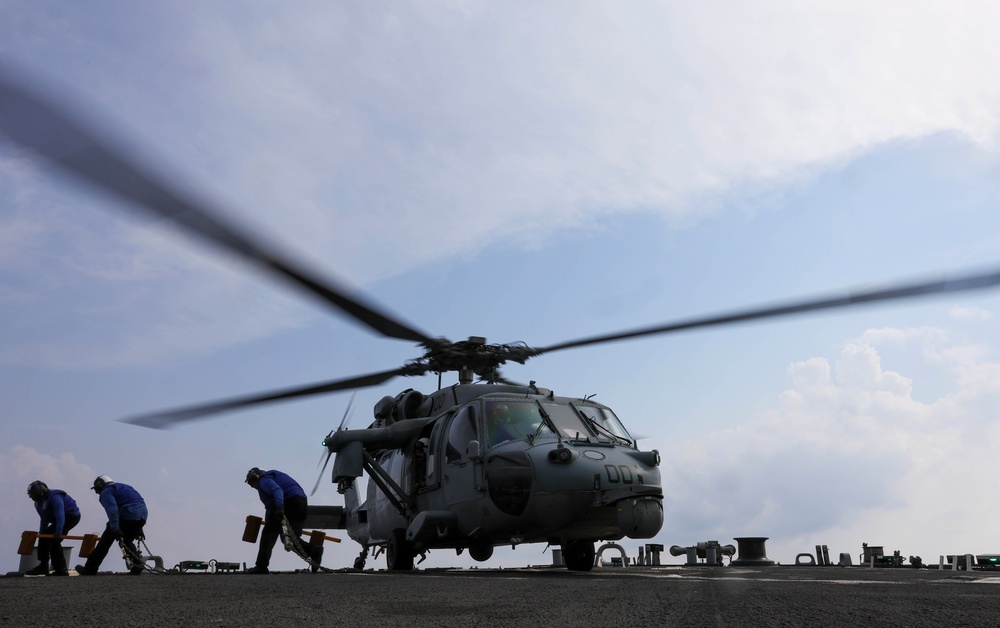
481 552
399 552
579 555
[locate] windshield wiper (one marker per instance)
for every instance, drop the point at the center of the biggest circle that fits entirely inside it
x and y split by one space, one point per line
542 424
600 428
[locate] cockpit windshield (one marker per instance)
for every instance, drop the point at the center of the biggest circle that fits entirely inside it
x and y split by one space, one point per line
513 420
567 421
605 423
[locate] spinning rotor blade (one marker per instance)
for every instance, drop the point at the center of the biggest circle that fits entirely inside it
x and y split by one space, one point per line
37 124
168 418
902 291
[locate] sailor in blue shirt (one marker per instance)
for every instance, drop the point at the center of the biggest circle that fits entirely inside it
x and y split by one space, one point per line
127 515
282 498
58 514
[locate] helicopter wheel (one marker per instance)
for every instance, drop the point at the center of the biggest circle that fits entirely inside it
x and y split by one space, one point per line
480 551
579 555
399 552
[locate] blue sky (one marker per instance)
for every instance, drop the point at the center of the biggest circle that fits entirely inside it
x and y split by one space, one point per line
538 174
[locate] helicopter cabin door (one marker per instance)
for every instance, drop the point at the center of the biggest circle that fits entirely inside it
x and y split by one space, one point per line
462 481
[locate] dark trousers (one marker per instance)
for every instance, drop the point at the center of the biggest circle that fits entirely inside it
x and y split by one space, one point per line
295 512
131 530
51 549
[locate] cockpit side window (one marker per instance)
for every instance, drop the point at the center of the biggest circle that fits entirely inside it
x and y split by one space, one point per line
460 432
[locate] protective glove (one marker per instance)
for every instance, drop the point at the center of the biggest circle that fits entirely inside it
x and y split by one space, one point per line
279 513
118 535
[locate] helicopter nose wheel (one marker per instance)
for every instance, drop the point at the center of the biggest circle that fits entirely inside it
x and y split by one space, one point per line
579 555
481 551
399 552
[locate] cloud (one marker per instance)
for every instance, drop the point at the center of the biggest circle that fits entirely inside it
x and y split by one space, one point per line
378 142
21 465
967 313
848 456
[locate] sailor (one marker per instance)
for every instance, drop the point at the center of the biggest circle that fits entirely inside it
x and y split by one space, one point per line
126 518
282 498
58 514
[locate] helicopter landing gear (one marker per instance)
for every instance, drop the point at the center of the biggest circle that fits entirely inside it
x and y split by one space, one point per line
359 562
579 555
480 551
399 552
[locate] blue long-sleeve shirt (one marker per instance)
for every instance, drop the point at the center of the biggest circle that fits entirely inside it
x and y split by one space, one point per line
121 501
54 508
274 486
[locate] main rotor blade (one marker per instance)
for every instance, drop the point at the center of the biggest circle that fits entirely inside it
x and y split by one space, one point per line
899 292
169 418
36 123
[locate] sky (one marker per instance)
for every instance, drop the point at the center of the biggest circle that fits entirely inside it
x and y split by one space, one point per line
533 172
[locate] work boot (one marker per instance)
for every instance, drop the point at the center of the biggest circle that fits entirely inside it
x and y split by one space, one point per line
317 557
60 572
258 571
38 570
81 570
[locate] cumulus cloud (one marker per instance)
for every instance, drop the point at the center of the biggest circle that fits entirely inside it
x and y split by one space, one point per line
847 456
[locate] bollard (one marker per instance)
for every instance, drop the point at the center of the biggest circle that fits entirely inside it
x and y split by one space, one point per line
752 552
710 557
653 554
692 556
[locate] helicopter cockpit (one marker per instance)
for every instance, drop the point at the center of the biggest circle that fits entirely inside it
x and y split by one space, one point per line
508 420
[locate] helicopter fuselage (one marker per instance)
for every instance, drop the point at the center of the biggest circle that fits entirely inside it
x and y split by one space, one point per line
497 465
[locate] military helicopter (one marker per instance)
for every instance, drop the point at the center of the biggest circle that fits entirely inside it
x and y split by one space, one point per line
470 466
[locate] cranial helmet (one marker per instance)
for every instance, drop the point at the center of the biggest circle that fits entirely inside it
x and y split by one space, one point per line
501 412
253 475
37 490
101 482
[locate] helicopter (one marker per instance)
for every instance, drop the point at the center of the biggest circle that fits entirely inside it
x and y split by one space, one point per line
470 466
